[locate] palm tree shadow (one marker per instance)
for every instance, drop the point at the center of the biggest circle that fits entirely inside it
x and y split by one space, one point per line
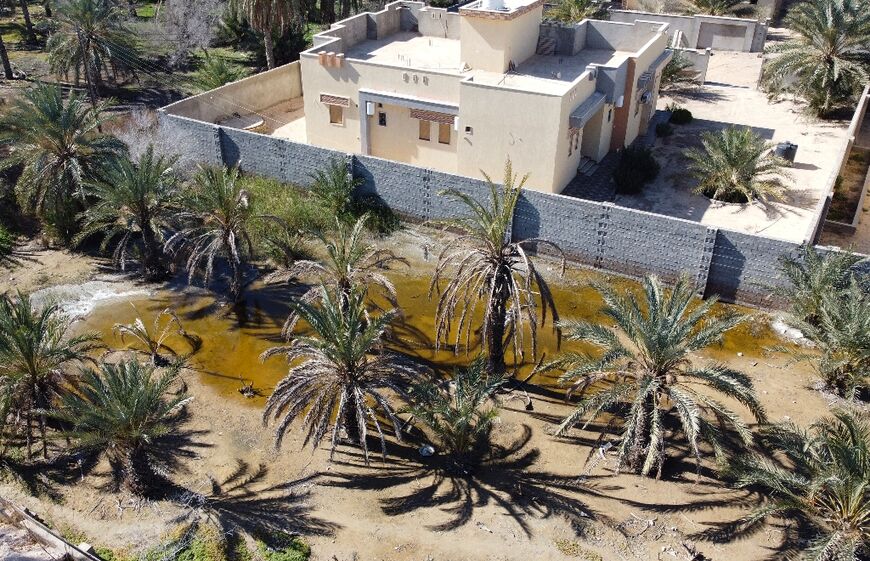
242 502
503 478
44 478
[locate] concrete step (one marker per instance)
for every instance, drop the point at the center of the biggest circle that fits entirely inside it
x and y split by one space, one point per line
587 167
546 46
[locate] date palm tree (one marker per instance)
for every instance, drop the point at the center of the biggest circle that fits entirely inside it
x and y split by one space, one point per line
266 17
841 337
826 59
351 264
714 7
36 356
822 486
130 208
736 166
123 411
643 375
153 340
811 276
58 145
92 40
485 268
573 11
460 412
215 214
339 374
216 71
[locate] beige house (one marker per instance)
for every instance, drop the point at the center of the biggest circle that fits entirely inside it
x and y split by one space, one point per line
458 92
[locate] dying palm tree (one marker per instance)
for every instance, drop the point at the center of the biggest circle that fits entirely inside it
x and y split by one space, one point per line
816 479
486 268
351 264
123 411
810 277
573 11
92 40
130 208
737 166
826 61
215 214
643 375
459 413
36 356
841 340
266 17
339 374
59 148
153 341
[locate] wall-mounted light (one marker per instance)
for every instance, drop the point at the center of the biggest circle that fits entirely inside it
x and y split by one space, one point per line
370 108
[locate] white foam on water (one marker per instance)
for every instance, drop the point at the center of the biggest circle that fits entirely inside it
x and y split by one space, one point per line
79 300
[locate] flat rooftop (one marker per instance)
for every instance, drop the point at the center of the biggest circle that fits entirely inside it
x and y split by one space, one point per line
539 73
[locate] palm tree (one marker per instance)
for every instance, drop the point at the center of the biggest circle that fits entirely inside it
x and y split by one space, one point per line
266 17
36 352
460 413
678 73
216 71
714 7
736 165
339 374
131 203
841 337
123 411
92 39
334 187
823 486
215 216
166 324
59 148
573 11
485 266
351 265
4 59
650 380
811 276
827 58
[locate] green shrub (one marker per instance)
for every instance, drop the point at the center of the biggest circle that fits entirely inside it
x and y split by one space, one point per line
679 115
284 547
664 129
636 168
7 242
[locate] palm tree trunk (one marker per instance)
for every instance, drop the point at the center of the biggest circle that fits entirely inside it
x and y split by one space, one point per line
4 57
237 280
28 24
29 435
327 11
494 330
46 5
270 49
42 436
350 421
152 265
135 471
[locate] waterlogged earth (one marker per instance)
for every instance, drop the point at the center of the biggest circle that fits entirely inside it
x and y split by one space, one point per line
234 337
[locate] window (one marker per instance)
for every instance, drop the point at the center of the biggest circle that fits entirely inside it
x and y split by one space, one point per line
424 129
382 119
443 133
336 114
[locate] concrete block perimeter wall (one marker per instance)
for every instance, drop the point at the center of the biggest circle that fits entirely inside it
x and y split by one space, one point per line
737 267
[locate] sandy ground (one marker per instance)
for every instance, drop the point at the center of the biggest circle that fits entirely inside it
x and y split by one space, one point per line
729 97
539 499
36 267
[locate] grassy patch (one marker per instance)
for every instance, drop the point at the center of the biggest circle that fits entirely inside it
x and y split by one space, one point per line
283 547
574 549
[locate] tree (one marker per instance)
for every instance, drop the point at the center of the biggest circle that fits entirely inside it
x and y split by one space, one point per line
811 276
822 486
573 11
59 148
123 411
642 374
92 39
485 266
28 23
334 187
153 341
841 337
678 73
186 26
4 59
339 373
736 166
215 216
131 204
826 60
459 413
36 353
715 7
351 265
217 71
266 16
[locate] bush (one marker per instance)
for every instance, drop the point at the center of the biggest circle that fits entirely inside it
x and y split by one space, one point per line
679 115
284 547
664 129
7 242
636 168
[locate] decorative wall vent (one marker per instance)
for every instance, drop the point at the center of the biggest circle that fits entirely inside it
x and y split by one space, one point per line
334 100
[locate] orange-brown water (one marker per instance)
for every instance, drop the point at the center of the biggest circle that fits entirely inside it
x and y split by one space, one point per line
232 339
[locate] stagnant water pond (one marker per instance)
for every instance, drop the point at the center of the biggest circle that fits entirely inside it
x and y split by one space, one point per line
234 338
